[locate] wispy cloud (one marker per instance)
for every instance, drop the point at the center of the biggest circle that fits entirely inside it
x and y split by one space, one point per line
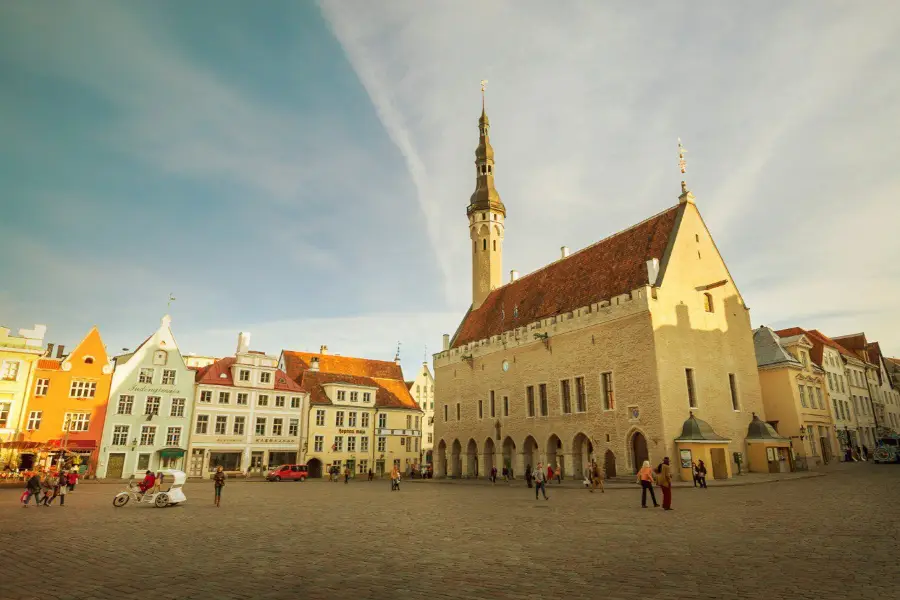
781 116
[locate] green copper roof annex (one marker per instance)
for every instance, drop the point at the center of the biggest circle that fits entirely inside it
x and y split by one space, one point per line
695 430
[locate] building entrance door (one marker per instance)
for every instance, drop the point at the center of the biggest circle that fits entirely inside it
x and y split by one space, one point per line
826 450
639 451
720 467
116 466
196 463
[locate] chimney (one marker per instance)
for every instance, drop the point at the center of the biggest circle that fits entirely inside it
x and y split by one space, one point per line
243 343
323 349
447 339
314 363
60 350
513 275
653 270
50 350
564 251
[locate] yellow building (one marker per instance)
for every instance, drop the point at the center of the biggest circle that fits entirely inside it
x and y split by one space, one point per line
18 358
603 353
361 415
795 396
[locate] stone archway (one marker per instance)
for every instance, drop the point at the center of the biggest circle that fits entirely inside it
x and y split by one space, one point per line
472 459
488 457
609 463
456 459
530 453
639 452
509 454
555 455
582 453
441 467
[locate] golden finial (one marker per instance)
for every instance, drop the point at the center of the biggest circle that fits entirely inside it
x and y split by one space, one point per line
483 87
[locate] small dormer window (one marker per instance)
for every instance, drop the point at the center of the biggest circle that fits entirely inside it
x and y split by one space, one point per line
708 305
244 375
88 360
160 357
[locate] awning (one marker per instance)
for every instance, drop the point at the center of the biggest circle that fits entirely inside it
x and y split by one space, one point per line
74 445
22 445
171 452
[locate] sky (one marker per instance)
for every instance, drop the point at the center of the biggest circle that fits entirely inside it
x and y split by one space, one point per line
302 172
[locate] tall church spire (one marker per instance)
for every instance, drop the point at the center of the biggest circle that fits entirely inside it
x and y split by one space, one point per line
487 217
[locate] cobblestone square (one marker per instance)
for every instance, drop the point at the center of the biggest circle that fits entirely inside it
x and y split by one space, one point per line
826 537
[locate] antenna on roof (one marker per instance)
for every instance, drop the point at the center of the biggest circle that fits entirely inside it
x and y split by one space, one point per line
397 355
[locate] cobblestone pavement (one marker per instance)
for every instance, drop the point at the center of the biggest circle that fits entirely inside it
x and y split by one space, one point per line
824 537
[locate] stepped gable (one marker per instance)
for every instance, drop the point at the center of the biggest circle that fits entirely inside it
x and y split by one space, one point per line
613 266
385 376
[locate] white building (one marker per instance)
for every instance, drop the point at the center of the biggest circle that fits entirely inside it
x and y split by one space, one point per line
422 389
247 414
149 412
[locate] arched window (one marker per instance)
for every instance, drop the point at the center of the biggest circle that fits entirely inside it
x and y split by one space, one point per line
489 168
88 360
708 302
484 244
483 169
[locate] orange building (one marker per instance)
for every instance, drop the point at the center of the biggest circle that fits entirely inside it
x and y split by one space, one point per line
67 403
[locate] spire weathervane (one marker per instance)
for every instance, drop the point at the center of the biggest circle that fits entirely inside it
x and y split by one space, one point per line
682 164
484 83
171 300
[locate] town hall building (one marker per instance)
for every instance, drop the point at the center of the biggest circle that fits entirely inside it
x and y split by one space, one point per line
634 348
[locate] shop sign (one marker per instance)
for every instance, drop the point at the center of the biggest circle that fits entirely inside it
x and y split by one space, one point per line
273 440
405 432
229 440
153 390
363 431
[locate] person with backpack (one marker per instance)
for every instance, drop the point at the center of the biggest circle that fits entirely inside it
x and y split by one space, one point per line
664 480
645 478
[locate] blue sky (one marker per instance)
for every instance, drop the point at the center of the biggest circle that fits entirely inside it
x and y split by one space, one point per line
301 172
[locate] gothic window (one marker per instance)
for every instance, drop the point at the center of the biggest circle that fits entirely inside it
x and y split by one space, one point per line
482 217
489 168
484 244
495 245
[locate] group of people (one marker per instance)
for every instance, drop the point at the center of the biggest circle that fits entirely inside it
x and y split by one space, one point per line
46 486
662 475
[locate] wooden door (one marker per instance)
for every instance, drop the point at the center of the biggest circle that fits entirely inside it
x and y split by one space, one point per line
197 463
116 466
639 451
610 464
720 467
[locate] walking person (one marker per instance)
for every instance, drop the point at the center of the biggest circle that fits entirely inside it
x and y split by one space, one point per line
55 486
549 474
645 478
528 475
540 482
596 478
493 475
506 475
72 478
701 474
63 483
395 478
48 483
32 490
371 475
219 483
664 480
558 473
694 473
346 474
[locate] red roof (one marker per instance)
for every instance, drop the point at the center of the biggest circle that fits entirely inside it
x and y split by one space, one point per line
49 364
213 375
385 376
613 266
819 341
858 344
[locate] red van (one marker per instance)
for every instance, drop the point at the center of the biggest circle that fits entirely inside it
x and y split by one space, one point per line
288 473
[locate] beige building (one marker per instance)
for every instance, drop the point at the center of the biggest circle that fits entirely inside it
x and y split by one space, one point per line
248 414
795 395
18 360
422 389
605 352
862 379
361 415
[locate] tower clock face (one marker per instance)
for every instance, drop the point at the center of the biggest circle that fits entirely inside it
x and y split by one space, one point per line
505 366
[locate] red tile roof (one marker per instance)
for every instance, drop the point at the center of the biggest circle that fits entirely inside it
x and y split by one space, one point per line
613 266
819 341
858 344
213 375
385 376
49 364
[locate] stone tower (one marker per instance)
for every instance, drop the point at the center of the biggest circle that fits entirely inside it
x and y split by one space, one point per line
486 219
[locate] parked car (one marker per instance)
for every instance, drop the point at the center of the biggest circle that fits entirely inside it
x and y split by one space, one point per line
288 473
